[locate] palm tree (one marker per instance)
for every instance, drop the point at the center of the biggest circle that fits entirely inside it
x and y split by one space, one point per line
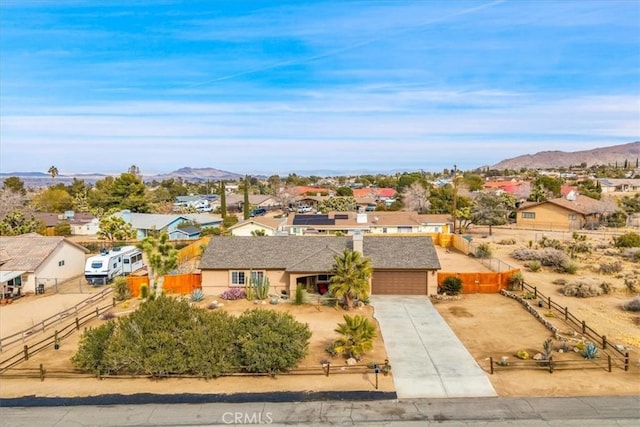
351 274
356 336
53 171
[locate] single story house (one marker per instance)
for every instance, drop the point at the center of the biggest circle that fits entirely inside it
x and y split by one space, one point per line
146 224
30 259
572 212
81 223
611 185
403 265
385 222
236 201
270 226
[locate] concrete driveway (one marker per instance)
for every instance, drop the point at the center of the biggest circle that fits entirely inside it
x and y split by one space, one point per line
426 357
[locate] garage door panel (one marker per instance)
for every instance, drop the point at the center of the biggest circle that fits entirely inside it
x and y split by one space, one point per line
399 283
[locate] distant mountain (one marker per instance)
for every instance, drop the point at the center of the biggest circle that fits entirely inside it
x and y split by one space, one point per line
26 174
197 175
556 159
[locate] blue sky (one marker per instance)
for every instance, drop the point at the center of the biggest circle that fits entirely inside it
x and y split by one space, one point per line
280 86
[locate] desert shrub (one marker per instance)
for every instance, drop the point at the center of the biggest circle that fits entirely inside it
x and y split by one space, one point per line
627 240
632 305
545 242
534 265
549 257
610 267
271 341
108 315
121 290
602 246
547 347
515 281
523 354
507 242
93 344
632 254
144 291
585 288
452 285
631 282
169 336
483 250
299 297
525 254
590 351
569 267
233 294
565 347
528 295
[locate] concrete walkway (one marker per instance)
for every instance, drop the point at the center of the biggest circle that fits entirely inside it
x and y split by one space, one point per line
426 357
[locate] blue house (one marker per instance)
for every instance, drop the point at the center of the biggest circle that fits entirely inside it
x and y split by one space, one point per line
178 227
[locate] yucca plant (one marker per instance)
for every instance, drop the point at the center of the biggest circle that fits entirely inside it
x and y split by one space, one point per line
548 349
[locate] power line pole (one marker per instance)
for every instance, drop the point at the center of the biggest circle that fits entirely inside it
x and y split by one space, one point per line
455 196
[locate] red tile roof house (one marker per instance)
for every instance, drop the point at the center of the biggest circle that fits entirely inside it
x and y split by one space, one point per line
32 259
401 265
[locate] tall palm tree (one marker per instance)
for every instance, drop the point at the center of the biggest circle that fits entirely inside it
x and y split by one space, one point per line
356 336
351 274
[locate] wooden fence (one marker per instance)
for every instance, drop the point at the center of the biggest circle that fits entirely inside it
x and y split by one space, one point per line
326 370
551 364
483 282
544 301
193 250
173 283
57 337
47 323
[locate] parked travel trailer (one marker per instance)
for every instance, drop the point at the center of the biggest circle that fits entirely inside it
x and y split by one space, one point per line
101 269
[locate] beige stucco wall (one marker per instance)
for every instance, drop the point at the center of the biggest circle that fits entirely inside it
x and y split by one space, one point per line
246 229
215 282
49 271
550 217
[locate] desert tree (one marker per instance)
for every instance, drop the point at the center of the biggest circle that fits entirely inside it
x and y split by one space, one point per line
492 209
416 197
113 227
162 257
53 171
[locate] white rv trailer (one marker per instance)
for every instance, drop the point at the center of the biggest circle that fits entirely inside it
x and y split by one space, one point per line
101 269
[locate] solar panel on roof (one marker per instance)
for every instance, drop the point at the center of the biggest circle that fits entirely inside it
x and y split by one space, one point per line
341 216
313 220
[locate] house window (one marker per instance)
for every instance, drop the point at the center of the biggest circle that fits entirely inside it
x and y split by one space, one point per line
528 215
384 229
404 229
573 217
237 278
61 263
323 278
257 276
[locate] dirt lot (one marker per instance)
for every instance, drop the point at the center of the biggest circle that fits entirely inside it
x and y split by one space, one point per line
488 325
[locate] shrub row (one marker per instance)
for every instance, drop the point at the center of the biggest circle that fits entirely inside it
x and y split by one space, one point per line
166 336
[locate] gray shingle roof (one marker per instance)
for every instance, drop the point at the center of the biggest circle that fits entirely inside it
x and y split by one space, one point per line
315 253
28 251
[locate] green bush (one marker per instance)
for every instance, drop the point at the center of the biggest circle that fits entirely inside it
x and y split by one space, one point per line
515 281
169 336
483 251
569 267
627 240
121 290
452 285
271 341
144 291
299 298
534 265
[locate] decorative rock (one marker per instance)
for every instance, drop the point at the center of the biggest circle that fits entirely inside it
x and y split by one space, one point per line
351 361
560 351
620 347
538 356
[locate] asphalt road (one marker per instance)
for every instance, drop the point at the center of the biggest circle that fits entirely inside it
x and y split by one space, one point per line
488 411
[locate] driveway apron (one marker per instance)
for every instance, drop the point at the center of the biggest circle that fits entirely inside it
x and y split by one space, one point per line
426 357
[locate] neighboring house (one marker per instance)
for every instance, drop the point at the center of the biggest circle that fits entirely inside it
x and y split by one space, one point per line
200 202
372 222
572 212
401 265
31 259
270 226
81 223
378 194
610 185
236 201
148 224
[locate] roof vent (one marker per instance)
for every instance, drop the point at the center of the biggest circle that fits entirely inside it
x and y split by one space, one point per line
571 196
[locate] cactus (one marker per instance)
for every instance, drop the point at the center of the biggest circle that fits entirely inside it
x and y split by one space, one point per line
144 291
590 351
261 287
197 295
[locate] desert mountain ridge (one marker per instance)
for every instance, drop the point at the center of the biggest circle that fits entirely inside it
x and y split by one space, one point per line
557 159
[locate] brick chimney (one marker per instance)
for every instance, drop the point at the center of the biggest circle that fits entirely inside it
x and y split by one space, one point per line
358 240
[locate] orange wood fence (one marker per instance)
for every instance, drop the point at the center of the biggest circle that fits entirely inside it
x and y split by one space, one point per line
480 283
173 283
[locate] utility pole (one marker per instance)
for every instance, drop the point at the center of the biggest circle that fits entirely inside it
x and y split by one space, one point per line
455 196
